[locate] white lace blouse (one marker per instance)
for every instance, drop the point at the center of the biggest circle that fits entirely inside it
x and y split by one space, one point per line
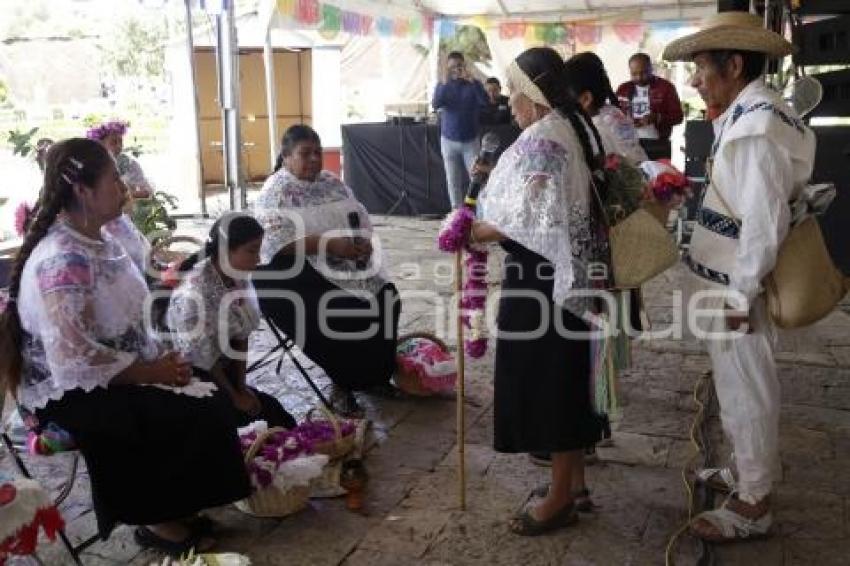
539 196
131 173
80 305
290 209
133 241
618 134
205 314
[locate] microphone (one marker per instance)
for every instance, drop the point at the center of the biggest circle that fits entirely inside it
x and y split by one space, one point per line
489 146
354 224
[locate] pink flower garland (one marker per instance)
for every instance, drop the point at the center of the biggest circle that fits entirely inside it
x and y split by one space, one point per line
22 217
454 237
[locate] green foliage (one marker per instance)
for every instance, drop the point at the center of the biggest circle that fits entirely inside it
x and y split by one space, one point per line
91 120
135 149
151 215
136 49
22 142
625 189
470 41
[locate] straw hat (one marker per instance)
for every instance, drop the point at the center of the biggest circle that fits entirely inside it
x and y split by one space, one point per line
729 30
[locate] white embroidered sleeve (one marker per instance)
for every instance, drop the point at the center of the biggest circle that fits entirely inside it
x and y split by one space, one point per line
74 356
764 174
195 329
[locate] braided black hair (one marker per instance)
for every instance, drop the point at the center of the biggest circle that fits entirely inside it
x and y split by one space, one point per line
545 67
69 162
585 72
232 230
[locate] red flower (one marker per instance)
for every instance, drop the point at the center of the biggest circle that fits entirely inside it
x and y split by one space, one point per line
612 162
171 275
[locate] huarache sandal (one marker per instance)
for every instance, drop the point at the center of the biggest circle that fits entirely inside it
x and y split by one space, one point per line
146 538
718 479
581 498
730 526
524 524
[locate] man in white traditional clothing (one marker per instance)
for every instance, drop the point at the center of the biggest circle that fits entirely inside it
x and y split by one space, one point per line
761 159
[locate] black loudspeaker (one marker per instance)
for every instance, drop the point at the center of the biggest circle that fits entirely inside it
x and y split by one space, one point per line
832 164
824 7
733 5
836 94
824 42
699 135
657 149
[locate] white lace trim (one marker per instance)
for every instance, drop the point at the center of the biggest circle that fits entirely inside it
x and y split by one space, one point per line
195 388
538 195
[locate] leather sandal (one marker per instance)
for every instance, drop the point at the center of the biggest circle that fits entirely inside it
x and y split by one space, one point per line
581 497
524 524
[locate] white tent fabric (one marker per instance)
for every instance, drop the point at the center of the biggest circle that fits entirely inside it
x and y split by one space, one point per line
373 71
559 9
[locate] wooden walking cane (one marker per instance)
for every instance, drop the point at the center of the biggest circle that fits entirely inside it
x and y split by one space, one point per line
489 147
461 415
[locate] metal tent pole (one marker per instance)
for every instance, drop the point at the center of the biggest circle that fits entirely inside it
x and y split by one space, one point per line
227 54
271 97
190 42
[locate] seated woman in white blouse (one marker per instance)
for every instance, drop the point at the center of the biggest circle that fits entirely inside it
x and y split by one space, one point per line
122 228
331 293
214 310
75 351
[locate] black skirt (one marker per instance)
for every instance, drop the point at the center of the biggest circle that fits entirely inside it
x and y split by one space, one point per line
542 382
271 410
152 455
354 364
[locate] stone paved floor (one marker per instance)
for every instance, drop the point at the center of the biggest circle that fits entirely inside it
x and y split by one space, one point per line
412 514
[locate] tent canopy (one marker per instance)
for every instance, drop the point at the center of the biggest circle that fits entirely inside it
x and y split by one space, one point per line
549 8
538 10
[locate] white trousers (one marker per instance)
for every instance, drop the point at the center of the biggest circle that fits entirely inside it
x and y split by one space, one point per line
748 392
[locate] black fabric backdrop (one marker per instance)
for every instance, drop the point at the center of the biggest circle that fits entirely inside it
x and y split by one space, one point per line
832 164
398 169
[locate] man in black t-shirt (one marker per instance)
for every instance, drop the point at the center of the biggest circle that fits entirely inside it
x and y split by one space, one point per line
497 110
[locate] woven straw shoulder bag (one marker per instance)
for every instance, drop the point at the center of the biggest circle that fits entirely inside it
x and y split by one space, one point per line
804 286
641 247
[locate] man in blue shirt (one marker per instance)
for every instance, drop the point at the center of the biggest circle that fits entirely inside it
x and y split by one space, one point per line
459 100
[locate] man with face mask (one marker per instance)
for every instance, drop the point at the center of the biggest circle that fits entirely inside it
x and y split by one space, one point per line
458 100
